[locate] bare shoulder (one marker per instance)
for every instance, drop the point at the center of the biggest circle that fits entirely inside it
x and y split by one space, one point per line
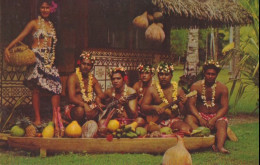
131 90
137 85
197 84
222 86
94 80
108 91
72 78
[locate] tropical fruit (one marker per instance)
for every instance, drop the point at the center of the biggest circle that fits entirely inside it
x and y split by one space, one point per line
48 131
166 130
113 125
141 131
30 131
200 132
17 131
73 130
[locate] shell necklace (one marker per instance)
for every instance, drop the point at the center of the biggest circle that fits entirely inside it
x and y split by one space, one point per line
203 94
174 93
49 56
82 87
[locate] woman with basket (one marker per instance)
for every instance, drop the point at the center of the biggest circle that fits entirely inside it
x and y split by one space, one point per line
44 75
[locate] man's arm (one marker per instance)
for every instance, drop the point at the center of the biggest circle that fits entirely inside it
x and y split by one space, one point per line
131 105
148 98
71 83
183 98
101 100
223 102
98 90
192 106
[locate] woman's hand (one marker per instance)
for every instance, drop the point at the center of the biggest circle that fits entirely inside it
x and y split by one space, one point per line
7 55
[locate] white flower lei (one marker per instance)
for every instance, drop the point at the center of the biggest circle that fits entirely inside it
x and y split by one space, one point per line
203 95
82 87
174 93
124 93
47 55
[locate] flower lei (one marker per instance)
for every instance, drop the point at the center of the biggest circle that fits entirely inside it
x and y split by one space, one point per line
121 110
141 89
82 87
203 95
174 93
124 93
47 55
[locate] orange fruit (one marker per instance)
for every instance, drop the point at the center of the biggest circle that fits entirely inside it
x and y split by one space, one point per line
113 125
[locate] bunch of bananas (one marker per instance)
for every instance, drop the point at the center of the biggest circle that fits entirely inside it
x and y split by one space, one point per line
124 132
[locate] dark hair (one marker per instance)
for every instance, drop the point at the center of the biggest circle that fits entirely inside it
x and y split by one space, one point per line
123 74
211 66
42 1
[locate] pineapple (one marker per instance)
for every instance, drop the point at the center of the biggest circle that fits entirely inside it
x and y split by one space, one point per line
30 129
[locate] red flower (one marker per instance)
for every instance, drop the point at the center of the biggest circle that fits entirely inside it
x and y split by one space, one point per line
78 62
126 78
109 137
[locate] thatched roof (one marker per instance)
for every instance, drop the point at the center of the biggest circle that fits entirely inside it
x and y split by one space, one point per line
203 13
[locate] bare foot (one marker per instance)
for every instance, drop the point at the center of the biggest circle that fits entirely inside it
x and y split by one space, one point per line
223 150
214 148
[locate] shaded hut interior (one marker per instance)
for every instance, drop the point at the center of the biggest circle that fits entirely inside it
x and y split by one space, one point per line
104 28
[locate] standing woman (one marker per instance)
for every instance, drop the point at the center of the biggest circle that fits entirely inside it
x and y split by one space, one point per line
44 75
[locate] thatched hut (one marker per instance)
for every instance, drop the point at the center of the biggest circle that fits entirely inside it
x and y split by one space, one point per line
105 28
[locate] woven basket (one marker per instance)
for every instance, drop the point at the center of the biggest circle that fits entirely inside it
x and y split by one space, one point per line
21 55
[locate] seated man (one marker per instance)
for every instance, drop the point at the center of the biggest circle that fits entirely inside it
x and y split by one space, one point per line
146 73
166 92
126 108
81 85
211 104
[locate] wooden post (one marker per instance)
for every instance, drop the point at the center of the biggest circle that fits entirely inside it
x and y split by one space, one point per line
43 152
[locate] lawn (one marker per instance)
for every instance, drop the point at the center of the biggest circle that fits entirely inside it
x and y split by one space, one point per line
245 151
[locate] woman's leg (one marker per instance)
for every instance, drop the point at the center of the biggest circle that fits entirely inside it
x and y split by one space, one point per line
36 105
55 101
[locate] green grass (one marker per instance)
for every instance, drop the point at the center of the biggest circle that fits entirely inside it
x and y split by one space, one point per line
244 152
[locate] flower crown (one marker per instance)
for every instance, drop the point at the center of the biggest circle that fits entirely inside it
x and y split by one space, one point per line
165 68
115 69
145 68
212 62
86 55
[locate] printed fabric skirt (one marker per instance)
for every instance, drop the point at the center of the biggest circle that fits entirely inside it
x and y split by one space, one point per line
40 76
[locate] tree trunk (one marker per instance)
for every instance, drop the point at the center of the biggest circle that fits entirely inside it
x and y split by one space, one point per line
216 44
231 36
192 59
235 74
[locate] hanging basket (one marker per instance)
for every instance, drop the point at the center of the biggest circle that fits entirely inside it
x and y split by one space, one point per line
21 55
